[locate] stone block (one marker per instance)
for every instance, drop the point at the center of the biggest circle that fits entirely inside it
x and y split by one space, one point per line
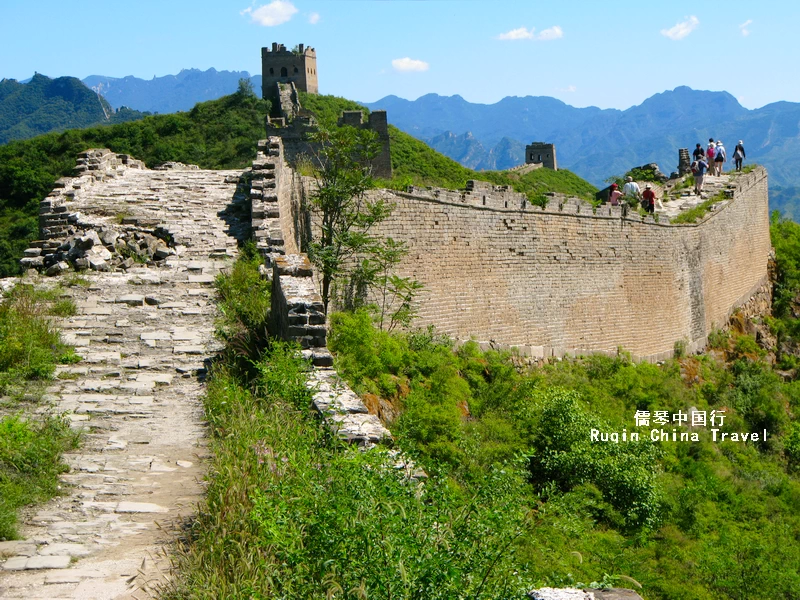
48 562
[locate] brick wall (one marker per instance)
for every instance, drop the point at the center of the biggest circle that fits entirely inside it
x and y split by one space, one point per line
569 280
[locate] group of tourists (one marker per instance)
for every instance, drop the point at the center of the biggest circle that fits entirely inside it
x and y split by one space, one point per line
712 159
632 194
709 160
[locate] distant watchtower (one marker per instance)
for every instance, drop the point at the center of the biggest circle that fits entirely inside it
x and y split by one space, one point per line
279 65
541 153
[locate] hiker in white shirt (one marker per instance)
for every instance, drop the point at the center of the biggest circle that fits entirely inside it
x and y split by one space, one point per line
631 189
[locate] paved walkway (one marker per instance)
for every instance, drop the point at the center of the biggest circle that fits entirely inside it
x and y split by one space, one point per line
686 199
144 335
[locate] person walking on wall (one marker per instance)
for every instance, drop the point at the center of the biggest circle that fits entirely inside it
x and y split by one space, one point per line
719 157
614 195
698 152
631 191
649 199
710 155
699 169
738 155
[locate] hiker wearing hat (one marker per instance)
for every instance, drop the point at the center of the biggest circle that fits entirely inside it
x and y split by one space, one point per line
631 191
614 194
649 199
719 157
710 151
698 152
738 155
699 168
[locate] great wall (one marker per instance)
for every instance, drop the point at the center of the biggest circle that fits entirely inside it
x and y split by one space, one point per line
563 279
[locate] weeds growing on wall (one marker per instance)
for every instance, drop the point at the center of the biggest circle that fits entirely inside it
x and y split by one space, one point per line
698 212
30 346
30 463
30 444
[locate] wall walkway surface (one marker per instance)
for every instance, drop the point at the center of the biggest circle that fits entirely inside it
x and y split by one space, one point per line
144 334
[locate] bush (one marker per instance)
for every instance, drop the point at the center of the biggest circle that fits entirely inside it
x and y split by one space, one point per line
563 453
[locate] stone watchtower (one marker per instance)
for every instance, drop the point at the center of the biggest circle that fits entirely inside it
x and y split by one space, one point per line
279 65
542 154
377 122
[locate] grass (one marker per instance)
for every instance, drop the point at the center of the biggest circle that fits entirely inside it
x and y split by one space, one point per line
283 518
30 446
30 463
668 514
76 280
698 212
244 294
30 345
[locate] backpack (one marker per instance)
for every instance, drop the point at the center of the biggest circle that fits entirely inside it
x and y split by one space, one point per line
710 152
695 167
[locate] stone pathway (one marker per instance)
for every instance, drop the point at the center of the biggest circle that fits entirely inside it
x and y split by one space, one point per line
144 335
688 200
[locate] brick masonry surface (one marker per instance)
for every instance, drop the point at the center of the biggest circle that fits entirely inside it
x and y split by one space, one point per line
565 279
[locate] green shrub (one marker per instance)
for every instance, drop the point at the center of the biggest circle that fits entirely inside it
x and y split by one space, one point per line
30 463
563 453
30 345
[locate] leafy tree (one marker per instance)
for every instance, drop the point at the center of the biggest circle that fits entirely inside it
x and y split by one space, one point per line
346 216
245 89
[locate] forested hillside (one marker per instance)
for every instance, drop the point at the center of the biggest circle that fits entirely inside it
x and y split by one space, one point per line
214 135
44 104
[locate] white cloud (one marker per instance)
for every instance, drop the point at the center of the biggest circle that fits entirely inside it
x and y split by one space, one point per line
517 34
569 89
275 13
744 27
409 64
682 29
552 33
313 18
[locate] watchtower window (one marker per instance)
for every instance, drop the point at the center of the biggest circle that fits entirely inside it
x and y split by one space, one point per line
540 158
295 70
284 72
271 71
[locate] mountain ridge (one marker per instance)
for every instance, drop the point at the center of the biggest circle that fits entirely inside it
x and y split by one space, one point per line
43 105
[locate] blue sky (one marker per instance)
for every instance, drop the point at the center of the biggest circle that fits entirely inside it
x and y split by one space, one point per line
610 54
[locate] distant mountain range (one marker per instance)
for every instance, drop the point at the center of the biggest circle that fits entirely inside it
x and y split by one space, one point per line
170 93
596 143
43 104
